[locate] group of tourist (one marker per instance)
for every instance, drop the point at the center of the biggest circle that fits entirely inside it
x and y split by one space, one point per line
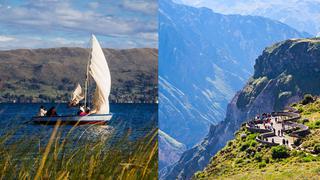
263 116
284 141
53 112
280 132
266 120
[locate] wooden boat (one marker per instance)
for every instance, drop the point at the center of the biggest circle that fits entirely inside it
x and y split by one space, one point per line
101 119
97 68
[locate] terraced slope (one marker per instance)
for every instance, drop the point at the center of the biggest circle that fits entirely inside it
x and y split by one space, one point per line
246 158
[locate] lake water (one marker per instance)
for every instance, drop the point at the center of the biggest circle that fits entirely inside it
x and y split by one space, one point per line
136 120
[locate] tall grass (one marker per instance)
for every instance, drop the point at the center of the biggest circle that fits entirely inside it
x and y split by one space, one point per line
61 158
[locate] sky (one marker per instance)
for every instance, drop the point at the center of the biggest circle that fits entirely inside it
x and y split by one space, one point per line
303 15
70 23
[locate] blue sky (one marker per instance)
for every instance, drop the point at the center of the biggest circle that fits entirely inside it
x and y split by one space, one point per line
56 23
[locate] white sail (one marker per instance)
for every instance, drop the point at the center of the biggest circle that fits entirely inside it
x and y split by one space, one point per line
77 95
99 70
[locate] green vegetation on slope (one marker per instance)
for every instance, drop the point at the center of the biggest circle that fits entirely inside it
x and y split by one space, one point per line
245 158
310 113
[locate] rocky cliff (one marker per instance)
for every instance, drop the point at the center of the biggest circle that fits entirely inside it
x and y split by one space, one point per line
45 75
282 75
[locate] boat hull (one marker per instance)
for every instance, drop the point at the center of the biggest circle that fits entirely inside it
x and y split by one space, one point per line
73 120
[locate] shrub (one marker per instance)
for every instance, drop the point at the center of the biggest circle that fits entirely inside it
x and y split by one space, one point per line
199 174
305 121
251 151
243 136
301 154
297 142
294 153
307 159
251 136
300 109
238 161
253 143
244 146
258 157
262 164
307 99
316 148
279 152
314 125
317 170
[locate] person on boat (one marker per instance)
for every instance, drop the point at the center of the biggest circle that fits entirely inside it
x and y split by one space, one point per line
88 110
52 112
83 112
42 111
81 109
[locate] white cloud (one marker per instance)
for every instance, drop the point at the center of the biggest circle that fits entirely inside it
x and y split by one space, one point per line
147 7
6 38
108 19
64 15
149 36
36 42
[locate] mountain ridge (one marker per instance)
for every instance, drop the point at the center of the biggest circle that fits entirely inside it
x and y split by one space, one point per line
45 75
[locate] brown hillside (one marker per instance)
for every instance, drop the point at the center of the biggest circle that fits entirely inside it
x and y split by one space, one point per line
50 74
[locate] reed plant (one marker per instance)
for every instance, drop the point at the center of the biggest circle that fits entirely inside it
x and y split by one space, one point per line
63 158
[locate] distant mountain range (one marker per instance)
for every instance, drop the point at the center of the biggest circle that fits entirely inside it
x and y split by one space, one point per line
283 74
302 15
169 149
46 75
204 58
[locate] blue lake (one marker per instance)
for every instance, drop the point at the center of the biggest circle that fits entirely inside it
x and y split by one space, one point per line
134 120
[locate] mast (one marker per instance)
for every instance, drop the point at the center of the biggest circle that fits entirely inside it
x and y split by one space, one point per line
87 75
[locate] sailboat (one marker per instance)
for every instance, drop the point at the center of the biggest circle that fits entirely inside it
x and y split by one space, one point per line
98 69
